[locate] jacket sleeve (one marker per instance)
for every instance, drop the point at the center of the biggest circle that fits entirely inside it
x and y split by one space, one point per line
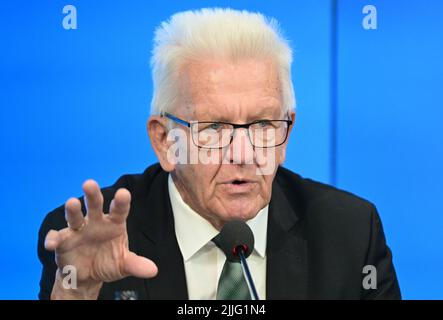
379 255
55 221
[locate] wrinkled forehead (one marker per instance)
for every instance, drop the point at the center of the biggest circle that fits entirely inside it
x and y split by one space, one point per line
229 90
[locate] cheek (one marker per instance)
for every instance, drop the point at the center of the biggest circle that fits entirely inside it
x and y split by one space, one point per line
280 155
268 160
199 177
267 186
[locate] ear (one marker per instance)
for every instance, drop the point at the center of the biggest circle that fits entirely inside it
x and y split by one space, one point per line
283 150
292 115
158 133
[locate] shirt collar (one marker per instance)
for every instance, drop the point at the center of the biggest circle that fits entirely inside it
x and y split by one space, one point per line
193 231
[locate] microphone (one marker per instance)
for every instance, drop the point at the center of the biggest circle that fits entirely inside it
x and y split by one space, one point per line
236 240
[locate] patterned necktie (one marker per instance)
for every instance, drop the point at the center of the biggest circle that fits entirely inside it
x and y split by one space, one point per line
232 284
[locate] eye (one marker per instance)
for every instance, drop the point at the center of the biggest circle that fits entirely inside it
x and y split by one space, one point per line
215 126
209 126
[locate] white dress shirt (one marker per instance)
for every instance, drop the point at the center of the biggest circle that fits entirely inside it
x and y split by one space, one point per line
203 260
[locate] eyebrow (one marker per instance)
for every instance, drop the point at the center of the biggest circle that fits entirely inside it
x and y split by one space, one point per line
266 111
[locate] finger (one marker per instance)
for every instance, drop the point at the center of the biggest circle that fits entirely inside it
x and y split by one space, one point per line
119 209
139 267
73 214
52 240
93 199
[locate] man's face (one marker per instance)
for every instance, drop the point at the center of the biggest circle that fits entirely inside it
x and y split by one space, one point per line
239 183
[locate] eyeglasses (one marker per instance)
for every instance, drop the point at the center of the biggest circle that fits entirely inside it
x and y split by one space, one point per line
218 135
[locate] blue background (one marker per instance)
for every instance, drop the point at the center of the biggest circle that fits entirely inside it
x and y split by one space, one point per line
73 105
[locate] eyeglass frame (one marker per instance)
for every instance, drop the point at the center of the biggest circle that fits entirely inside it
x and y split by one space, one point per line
235 126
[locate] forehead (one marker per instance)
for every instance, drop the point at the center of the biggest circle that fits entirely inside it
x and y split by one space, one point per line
231 89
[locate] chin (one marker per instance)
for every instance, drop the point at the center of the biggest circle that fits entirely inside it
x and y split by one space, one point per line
243 211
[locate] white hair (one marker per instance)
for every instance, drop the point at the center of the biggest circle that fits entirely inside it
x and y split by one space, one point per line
215 33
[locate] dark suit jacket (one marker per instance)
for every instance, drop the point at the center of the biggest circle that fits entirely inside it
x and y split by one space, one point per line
319 240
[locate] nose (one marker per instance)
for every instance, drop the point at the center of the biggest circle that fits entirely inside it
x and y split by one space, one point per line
241 150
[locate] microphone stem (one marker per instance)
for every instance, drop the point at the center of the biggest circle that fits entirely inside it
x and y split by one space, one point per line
247 273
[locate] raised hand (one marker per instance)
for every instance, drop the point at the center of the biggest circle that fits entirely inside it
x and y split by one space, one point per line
96 245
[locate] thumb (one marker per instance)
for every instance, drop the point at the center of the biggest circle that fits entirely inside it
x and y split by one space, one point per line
139 267
52 240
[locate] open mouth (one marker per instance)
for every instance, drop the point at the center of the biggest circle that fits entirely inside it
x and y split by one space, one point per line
237 186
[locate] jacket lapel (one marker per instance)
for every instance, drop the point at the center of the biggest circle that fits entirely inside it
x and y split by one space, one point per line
155 239
287 268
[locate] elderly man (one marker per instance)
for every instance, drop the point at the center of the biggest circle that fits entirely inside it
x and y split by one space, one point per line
222 111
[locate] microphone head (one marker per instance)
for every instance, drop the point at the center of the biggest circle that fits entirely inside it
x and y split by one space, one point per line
235 233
